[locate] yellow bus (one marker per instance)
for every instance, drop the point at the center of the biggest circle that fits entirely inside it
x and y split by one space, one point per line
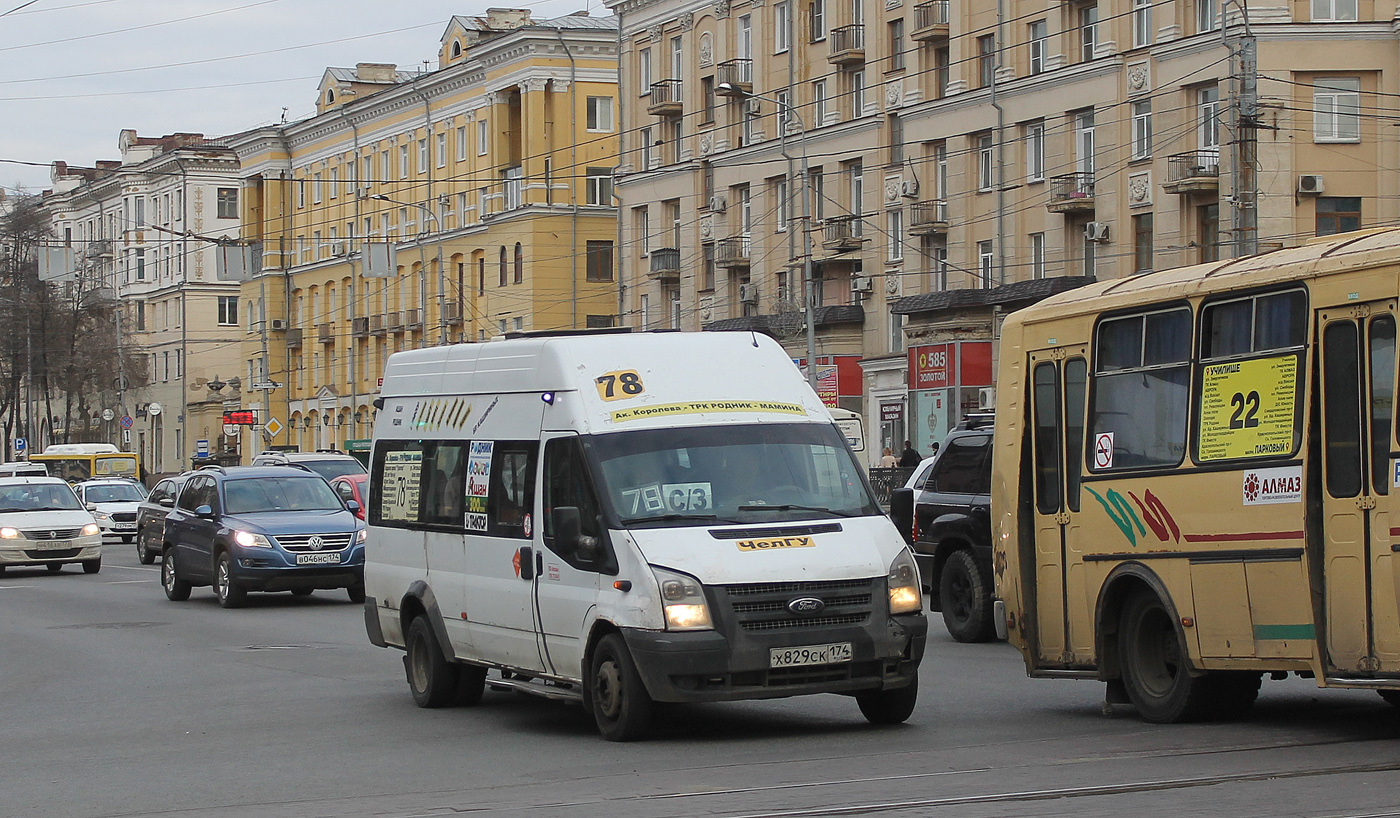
1192 475
76 462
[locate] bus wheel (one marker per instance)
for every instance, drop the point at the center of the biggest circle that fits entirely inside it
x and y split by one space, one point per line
889 706
621 705
1155 671
1392 697
966 598
431 677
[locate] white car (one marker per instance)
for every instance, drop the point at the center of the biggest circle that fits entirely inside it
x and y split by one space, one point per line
42 522
114 501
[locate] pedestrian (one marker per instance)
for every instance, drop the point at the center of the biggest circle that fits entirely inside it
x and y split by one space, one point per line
910 456
888 461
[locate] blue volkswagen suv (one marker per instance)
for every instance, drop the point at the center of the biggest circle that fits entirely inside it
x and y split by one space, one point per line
261 528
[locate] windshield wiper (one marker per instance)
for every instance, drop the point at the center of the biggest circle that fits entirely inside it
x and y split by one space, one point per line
795 507
664 518
54 508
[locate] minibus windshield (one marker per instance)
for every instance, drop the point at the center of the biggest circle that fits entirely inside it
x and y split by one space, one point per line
731 474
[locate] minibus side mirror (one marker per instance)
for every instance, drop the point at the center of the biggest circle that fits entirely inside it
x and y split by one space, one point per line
902 512
567 524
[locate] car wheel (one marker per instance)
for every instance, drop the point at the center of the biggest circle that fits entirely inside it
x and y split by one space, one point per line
966 599
471 684
1155 671
176 589
54 567
226 588
92 566
356 592
302 591
432 679
143 554
621 706
889 706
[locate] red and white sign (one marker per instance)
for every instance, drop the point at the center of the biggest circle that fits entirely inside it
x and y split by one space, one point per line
931 367
1269 486
1103 450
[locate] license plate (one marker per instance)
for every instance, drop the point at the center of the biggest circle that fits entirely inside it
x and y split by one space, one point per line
53 545
318 559
810 655
126 526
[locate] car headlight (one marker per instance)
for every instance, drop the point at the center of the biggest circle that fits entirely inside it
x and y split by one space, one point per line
683 600
363 535
91 530
9 534
248 539
102 516
905 594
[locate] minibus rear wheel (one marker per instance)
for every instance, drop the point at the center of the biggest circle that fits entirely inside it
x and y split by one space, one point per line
619 700
1156 669
431 678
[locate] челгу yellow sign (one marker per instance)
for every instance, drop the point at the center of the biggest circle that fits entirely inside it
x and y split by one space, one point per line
1249 408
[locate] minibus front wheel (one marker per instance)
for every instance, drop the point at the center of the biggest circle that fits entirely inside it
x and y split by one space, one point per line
617 696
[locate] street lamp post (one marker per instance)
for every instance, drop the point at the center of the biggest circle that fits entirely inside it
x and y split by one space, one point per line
442 261
809 285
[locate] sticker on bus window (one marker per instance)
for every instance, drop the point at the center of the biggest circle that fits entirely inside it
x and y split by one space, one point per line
642 500
688 496
398 493
478 483
1249 409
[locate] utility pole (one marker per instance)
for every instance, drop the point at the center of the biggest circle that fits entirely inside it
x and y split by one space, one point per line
1243 176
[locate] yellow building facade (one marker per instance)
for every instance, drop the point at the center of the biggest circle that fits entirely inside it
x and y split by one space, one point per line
417 209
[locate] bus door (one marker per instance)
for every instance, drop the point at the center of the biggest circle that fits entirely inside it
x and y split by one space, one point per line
1059 386
1358 405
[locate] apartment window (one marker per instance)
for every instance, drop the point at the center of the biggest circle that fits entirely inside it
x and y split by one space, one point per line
644 310
1142 129
519 264
600 261
598 321
1038 36
1207 15
745 45
707 253
140 265
1336 109
599 186
855 172
677 132
1208 232
1035 152
1334 10
935 254
707 100
819 103
673 211
315 188
1084 141
600 114
1142 243
228 311
986 171
784 112
857 94
896 139
1208 118
1142 23
643 230
423 155
1088 31
896 44
941 63
482 137
403 161
442 150
817 17
986 60
894 224
644 70
461 146
677 58
645 136
141 211
501 278
940 170
781 200
481 276
817 193
984 263
228 202
1338 214
335 182
1037 255
742 195
781 27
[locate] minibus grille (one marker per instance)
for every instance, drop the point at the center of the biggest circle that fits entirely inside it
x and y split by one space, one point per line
764 606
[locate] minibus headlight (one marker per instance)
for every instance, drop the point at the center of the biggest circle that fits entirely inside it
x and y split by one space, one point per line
683 600
91 530
903 581
248 539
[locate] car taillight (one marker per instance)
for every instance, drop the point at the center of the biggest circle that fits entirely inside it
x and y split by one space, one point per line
915 532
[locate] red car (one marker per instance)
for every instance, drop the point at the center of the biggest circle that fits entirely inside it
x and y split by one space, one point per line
353 487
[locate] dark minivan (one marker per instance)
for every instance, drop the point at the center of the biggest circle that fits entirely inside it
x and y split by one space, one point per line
256 528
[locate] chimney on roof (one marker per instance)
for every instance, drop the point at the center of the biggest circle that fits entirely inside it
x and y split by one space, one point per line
376 72
507 19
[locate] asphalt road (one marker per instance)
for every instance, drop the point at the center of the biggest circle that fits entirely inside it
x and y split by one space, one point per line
117 702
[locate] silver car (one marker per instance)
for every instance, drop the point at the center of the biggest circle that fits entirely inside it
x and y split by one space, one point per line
43 523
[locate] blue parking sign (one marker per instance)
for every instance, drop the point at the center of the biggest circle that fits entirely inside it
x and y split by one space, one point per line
21 444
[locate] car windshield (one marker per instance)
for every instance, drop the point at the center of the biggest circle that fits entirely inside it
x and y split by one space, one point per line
731 474
38 497
331 469
251 495
114 493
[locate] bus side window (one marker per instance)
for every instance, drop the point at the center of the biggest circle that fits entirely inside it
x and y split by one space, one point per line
512 492
445 494
567 483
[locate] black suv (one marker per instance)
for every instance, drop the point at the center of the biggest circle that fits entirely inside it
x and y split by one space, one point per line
947 520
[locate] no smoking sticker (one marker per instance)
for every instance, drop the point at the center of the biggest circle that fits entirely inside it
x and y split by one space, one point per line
1103 450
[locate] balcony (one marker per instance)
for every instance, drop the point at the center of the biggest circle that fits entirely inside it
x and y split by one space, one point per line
376 325
733 252
929 218
413 319
665 264
325 333
1071 193
842 233
734 78
452 313
359 327
395 321
666 99
1193 172
293 338
930 21
847 45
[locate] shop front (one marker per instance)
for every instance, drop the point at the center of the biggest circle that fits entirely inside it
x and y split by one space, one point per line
945 384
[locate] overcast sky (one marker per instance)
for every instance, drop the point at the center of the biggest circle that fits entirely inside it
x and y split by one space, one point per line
74 73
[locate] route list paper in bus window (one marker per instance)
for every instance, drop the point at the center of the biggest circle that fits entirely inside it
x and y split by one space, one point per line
399 495
478 483
1249 408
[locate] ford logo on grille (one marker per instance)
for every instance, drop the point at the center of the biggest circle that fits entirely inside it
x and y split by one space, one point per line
316 543
806 605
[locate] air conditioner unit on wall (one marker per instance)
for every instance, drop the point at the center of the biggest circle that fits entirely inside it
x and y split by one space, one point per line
278 324
862 284
717 204
1311 183
1096 231
748 293
987 397
909 188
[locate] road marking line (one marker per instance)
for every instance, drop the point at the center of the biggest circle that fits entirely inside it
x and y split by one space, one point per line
3 587
131 568
129 581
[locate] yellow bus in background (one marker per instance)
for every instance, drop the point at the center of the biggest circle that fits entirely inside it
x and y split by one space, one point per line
76 462
1192 479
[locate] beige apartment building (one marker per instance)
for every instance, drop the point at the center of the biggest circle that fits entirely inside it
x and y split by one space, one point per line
965 159
142 232
484 188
